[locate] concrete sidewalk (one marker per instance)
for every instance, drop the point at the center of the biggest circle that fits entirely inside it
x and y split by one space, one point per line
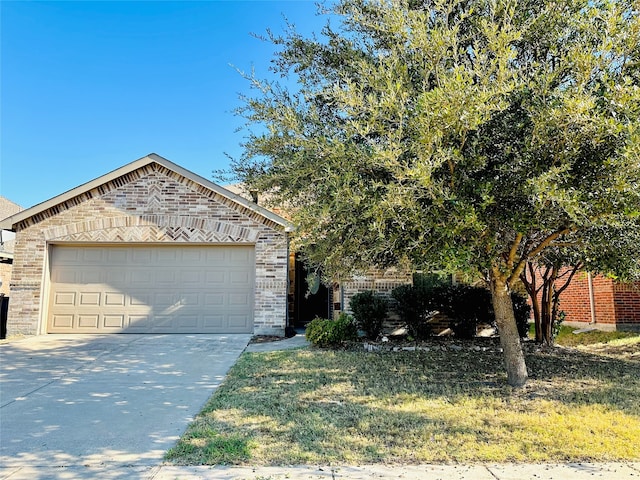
573 471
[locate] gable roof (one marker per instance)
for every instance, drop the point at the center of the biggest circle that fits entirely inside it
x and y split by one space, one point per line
9 223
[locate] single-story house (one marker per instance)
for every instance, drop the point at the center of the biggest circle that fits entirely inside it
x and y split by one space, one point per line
148 248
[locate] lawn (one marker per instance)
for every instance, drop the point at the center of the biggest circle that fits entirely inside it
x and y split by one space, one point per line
313 406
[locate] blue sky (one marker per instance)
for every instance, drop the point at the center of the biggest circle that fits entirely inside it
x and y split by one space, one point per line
87 87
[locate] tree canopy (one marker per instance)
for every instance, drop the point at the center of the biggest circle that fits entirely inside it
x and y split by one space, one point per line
459 135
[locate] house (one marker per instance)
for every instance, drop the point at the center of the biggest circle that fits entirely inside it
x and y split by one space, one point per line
7 208
148 248
602 302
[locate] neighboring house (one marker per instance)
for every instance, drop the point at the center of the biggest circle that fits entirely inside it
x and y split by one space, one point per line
148 248
7 208
601 302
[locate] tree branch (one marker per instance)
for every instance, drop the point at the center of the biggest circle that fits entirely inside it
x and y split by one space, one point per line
514 249
533 253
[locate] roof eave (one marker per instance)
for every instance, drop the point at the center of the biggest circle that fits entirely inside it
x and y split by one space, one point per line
9 223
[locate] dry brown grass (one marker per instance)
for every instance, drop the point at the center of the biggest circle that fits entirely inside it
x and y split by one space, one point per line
349 407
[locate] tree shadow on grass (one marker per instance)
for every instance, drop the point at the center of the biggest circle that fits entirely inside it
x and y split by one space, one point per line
310 405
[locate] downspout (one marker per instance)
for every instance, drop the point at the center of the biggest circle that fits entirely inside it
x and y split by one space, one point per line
592 300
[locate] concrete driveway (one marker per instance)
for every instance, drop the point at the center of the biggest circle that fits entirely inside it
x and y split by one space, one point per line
105 399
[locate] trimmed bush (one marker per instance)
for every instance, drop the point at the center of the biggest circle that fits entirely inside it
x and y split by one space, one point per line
370 311
412 305
466 307
330 333
522 311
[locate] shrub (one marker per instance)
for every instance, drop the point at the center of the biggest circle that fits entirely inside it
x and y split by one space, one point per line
413 308
466 307
370 311
327 333
522 311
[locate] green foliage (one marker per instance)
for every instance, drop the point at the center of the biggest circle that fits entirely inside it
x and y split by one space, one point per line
370 311
412 306
522 312
466 306
415 303
439 131
330 333
458 135
557 324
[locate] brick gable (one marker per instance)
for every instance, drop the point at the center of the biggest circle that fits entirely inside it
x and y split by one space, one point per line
150 204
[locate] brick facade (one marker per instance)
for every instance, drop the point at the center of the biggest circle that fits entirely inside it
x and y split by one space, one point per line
616 304
152 204
380 281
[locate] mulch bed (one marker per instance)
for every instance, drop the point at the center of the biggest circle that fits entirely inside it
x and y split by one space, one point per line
266 338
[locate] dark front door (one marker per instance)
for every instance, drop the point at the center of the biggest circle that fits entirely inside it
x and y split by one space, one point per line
311 301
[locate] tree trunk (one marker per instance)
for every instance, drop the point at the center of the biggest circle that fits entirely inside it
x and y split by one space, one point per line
509 338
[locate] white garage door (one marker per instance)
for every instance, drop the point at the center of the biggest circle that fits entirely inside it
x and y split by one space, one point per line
151 289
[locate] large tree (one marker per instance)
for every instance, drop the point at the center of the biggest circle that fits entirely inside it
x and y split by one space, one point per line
459 135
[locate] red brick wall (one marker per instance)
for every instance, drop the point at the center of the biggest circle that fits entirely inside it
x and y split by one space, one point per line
574 301
627 302
615 302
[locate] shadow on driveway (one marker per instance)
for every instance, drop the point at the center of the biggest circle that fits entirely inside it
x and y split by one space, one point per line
105 399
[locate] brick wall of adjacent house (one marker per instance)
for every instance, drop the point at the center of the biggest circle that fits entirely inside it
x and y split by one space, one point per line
627 302
151 204
615 303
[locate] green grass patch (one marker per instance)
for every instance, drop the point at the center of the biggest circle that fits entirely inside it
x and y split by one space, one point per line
349 407
568 338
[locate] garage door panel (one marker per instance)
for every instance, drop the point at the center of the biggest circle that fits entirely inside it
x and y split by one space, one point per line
117 256
140 322
239 300
114 299
141 256
89 299
65 275
115 276
214 277
113 322
95 275
239 278
165 277
151 289
93 256
190 276
88 321
214 321
64 298
192 257
213 299
62 321
237 322
141 278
